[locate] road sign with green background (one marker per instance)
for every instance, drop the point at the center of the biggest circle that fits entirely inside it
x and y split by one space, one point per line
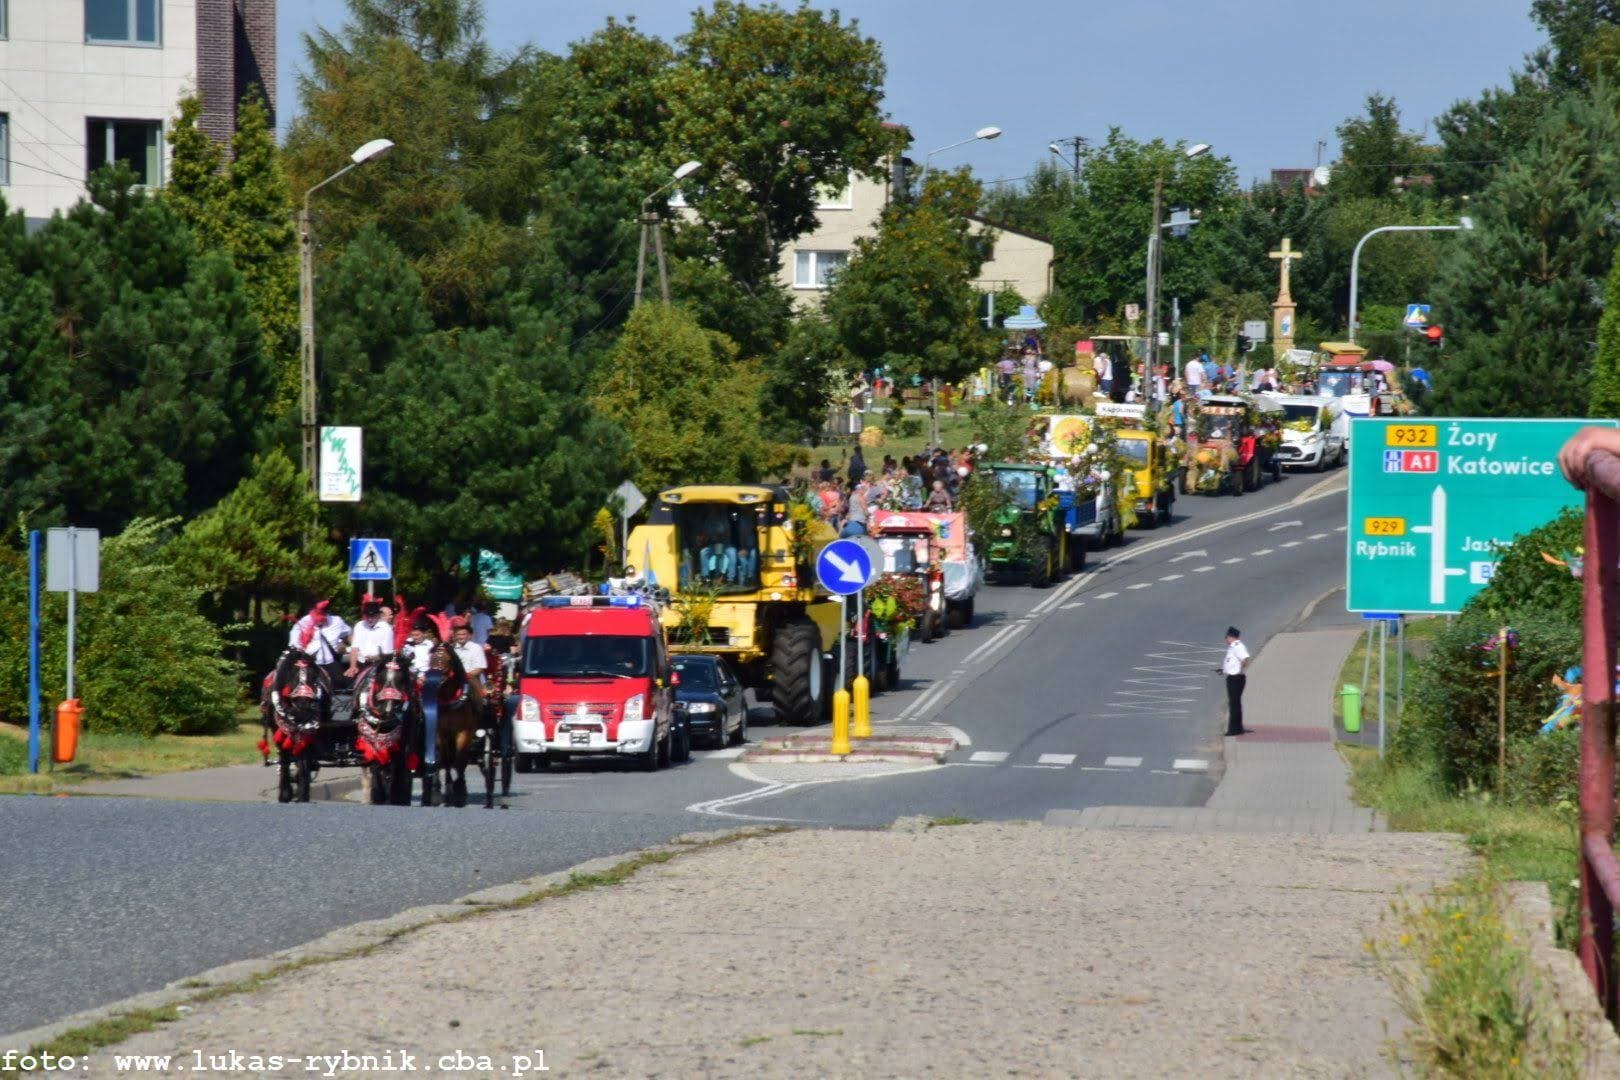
1433 501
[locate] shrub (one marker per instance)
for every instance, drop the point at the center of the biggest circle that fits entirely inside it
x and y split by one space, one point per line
148 661
1454 698
1524 579
1544 770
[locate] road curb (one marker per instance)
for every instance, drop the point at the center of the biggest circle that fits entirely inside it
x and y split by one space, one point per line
813 750
351 939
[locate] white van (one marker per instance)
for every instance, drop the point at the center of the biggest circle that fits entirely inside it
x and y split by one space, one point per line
1316 431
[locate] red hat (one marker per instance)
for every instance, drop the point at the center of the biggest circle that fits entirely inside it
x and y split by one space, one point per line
459 623
441 624
403 623
317 617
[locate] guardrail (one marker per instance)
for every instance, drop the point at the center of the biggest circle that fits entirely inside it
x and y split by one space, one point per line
1600 616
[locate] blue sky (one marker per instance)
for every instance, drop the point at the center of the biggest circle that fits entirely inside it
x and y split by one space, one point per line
1261 80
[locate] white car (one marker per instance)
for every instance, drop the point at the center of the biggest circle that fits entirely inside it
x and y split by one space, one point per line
1322 444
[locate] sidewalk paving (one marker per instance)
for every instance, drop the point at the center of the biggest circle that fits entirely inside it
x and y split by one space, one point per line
227 783
1286 776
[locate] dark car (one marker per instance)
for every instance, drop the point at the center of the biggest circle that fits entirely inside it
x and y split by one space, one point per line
709 701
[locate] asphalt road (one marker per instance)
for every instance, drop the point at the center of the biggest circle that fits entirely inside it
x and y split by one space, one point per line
1099 691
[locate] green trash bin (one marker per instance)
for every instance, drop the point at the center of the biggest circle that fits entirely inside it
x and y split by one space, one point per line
1350 698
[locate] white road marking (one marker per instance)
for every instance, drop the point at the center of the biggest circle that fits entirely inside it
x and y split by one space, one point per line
1286 525
1105 596
1200 553
1338 528
1200 646
1202 569
1188 764
1291 543
1037 766
720 755
1317 536
1231 561
1058 759
995 639
988 757
1141 585
1072 604
1123 763
1172 577
1262 551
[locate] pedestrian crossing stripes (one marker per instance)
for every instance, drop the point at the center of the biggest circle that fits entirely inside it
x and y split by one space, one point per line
1058 759
1123 762
988 757
1113 762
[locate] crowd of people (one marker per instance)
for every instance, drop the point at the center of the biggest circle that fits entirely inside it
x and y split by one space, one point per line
342 649
928 481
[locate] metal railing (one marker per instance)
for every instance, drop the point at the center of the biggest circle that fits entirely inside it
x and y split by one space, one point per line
1600 872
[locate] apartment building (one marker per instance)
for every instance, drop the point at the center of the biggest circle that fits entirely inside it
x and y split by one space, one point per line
86 82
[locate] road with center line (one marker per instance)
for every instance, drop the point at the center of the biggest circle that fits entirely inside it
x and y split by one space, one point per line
1099 691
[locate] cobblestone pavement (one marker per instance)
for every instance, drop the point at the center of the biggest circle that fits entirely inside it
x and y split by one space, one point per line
974 950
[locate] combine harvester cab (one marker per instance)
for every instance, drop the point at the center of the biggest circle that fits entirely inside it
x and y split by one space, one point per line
740 567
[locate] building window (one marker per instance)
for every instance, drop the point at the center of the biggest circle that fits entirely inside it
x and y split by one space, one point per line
815 269
121 22
5 144
830 198
137 143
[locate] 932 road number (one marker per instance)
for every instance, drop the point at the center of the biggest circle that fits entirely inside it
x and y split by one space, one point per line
1410 435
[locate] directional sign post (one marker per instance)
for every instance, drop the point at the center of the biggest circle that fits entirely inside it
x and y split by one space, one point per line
844 568
631 500
371 559
1433 503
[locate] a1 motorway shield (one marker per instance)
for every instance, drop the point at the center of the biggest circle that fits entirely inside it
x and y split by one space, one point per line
1433 502
844 567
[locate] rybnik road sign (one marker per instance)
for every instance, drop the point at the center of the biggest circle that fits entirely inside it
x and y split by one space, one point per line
1433 502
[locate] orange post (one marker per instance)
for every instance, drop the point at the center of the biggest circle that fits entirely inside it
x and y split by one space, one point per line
65 733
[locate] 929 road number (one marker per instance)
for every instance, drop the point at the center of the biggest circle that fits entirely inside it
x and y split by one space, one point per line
1385 526
1408 435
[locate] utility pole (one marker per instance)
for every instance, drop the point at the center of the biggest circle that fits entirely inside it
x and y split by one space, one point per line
1150 354
306 342
1076 144
1175 322
651 225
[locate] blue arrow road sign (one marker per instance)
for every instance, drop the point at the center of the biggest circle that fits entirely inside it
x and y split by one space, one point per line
371 559
843 567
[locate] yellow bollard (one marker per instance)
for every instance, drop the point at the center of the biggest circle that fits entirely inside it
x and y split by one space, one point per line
840 735
863 708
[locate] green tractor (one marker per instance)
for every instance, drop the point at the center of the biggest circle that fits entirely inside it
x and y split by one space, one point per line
1031 534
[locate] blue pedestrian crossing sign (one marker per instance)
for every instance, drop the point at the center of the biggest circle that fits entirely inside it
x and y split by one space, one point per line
844 567
1417 316
371 559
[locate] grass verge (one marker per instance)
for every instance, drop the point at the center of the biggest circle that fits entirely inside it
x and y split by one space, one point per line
112 1030
114 756
1420 635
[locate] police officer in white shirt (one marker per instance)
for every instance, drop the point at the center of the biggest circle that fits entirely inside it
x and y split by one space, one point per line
1233 667
371 639
470 652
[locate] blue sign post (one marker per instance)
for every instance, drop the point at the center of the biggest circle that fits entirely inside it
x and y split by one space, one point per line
371 559
33 651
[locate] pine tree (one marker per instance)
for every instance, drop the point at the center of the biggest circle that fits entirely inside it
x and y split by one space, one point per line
258 232
1606 369
196 187
1518 295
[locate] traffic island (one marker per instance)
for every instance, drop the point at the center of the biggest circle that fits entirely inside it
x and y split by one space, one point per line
809 749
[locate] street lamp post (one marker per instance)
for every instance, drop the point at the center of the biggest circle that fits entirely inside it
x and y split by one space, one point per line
1150 354
1077 143
985 133
1355 257
371 151
653 224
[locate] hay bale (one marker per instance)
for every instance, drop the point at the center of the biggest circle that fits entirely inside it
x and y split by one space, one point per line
872 437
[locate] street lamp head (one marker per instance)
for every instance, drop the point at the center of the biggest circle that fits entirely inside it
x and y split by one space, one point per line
687 169
987 133
374 149
1466 222
1052 146
1197 150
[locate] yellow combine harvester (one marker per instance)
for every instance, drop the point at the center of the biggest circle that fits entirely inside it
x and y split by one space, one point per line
741 544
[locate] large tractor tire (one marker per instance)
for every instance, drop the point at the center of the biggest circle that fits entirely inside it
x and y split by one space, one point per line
1042 564
1252 477
798 684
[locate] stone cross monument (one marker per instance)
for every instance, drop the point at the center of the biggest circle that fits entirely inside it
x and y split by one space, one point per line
1282 312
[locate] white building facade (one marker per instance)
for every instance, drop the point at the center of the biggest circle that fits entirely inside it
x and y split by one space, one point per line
87 82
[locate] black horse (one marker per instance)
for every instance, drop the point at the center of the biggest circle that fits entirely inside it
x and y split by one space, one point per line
295 698
388 721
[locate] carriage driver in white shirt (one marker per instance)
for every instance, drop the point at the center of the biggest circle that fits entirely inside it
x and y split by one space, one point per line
371 639
470 652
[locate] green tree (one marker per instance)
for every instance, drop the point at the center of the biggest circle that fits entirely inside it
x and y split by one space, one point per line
1519 294
1477 135
1101 244
258 232
1605 399
691 407
196 187
1583 40
254 547
779 105
906 301
135 380
479 437
1373 150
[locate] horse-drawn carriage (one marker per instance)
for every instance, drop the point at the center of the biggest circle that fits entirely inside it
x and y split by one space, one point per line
397 723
